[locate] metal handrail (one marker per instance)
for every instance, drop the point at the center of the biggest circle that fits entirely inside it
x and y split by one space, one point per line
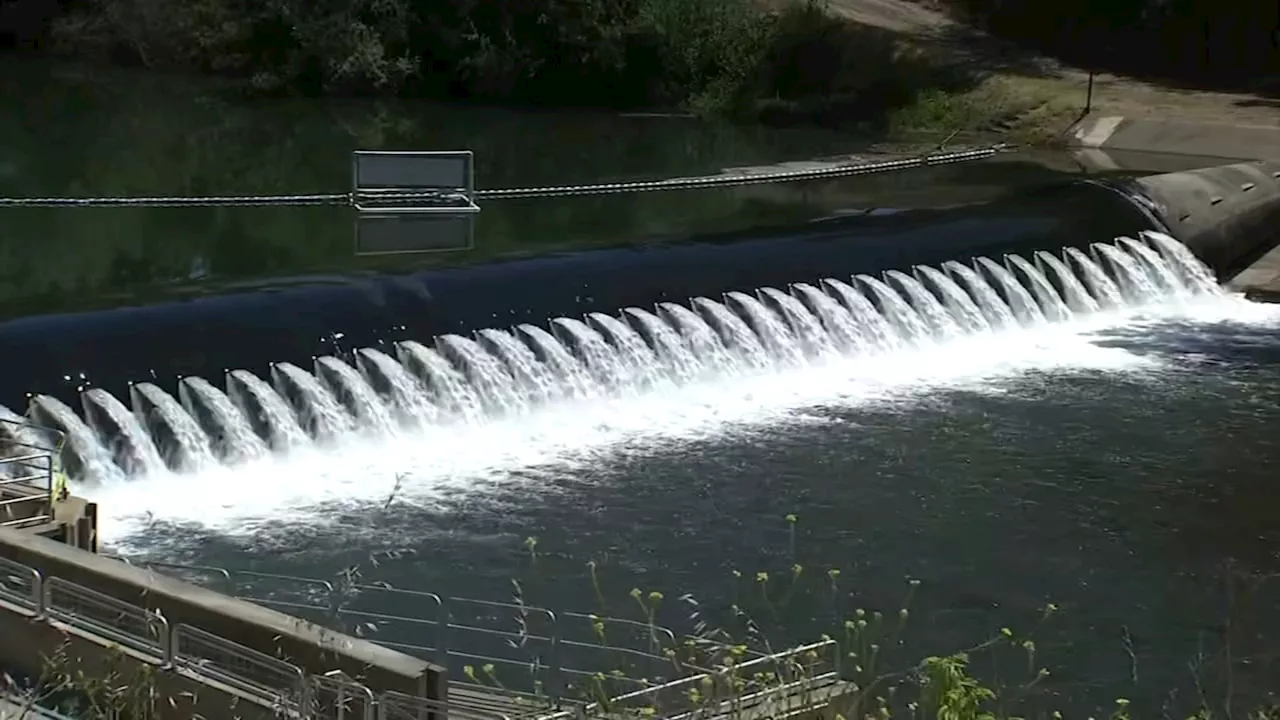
543 644
289 692
737 694
161 642
150 635
346 689
38 463
11 575
539 644
295 691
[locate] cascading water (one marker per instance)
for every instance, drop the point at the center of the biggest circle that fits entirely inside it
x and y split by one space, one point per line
504 373
174 429
1103 287
988 301
1046 295
1164 276
231 435
1021 304
1078 299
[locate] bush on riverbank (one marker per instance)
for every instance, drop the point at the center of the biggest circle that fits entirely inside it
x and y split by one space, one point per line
713 56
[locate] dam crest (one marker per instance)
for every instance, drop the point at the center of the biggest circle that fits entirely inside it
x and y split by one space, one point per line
500 373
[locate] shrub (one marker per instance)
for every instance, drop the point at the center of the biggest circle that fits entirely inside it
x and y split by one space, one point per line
713 56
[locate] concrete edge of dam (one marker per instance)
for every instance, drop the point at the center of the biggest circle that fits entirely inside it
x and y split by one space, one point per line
1175 137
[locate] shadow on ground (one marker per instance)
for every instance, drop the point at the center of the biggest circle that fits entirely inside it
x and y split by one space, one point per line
1236 48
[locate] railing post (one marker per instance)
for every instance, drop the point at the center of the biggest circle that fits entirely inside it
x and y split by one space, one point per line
557 676
37 592
165 639
335 608
442 634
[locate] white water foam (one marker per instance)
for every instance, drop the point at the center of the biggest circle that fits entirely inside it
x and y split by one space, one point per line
470 413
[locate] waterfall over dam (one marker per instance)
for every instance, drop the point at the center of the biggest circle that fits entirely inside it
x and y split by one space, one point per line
294 319
501 372
313 363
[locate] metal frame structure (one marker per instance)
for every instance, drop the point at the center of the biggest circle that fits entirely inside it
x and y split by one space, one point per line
28 464
383 181
412 202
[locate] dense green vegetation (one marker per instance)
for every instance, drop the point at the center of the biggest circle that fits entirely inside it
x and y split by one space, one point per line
789 59
706 55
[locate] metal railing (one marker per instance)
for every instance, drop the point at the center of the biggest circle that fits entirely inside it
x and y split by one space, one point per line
28 465
529 650
792 680
775 685
112 621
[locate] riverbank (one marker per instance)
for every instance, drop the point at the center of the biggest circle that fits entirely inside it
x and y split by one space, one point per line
791 63
1036 100
888 67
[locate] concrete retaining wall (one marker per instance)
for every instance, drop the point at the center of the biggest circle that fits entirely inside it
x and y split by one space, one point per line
297 641
1229 215
1239 142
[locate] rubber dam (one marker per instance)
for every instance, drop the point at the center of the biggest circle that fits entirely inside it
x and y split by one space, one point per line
315 364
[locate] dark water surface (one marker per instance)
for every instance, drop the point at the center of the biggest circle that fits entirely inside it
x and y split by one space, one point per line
73 131
1136 493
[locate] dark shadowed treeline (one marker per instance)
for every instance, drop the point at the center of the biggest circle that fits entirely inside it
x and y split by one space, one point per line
1218 42
705 55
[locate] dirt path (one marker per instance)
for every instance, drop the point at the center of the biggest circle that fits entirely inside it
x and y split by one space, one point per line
1054 93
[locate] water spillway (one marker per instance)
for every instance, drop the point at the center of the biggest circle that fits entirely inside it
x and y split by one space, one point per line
250 326
498 373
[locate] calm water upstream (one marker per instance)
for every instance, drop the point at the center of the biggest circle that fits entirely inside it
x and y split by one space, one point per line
1117 463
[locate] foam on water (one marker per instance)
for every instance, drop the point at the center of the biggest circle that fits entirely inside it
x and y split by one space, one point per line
465 413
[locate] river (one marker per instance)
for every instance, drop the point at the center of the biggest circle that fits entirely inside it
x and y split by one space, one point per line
1118 467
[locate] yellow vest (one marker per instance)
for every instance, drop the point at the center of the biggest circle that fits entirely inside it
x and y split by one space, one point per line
60 490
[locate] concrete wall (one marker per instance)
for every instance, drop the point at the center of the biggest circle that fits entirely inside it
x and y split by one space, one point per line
1205 139
1228 215
309 646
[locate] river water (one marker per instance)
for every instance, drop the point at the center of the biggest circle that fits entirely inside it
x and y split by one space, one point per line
1116 465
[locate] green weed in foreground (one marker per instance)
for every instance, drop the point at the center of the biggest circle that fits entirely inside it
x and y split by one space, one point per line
880 680
720 661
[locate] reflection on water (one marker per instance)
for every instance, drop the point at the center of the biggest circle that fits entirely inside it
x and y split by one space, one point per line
121 134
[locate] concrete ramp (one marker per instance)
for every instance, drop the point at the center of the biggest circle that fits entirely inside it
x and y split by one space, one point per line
1206 139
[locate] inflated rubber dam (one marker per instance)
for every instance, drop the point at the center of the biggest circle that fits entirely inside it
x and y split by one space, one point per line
315 364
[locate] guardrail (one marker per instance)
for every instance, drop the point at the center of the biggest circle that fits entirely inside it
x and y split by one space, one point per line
776 684
28 461
269 680
534 651
771 686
